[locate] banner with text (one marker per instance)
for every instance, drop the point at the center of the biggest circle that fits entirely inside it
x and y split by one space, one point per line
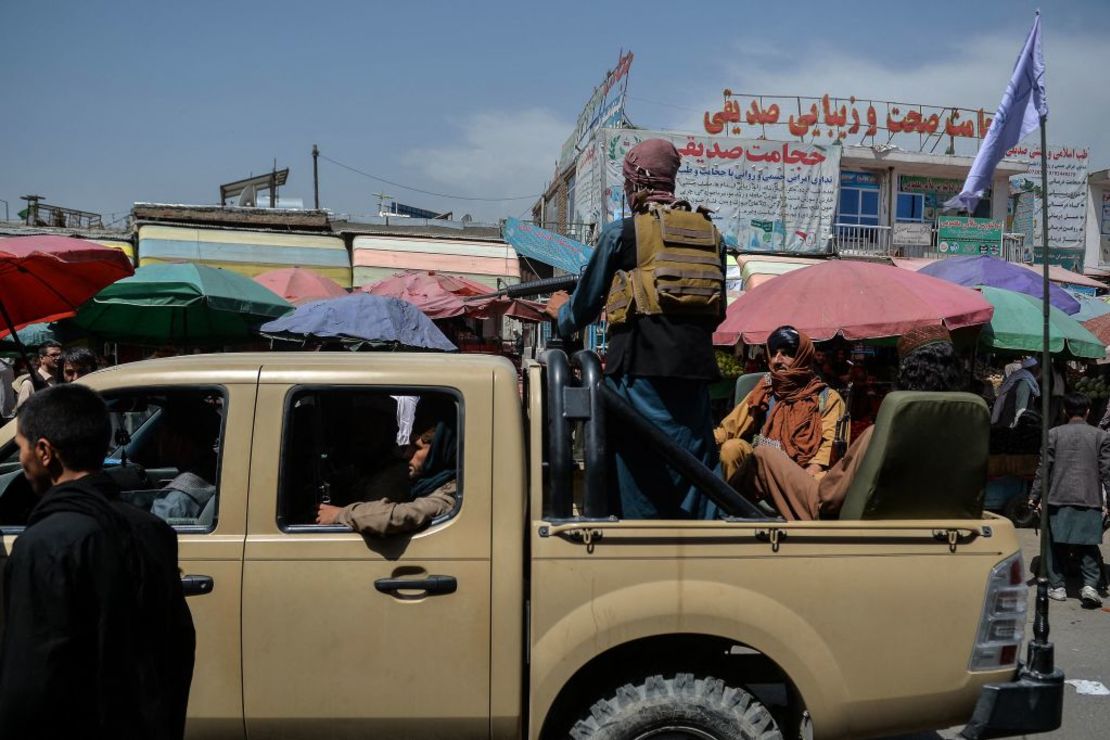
1067 202
963 235
766 196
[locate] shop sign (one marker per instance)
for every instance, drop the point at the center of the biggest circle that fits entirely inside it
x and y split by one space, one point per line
605 108
828 119
913 234
964 235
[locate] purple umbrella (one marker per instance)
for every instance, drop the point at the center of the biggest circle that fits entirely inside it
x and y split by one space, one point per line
998 273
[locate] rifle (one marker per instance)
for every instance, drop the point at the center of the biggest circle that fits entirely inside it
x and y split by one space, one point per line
843 426
532 288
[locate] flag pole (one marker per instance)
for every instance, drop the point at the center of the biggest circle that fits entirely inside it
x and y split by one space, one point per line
1041 656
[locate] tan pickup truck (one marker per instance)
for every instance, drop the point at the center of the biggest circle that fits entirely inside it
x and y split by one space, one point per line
529 611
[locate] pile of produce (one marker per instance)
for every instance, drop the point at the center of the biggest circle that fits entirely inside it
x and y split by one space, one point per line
1093 388
729 366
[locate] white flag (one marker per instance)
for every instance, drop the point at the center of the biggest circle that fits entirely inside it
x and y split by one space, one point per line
1023 104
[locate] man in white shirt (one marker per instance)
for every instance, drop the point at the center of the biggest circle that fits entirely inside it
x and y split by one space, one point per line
50 355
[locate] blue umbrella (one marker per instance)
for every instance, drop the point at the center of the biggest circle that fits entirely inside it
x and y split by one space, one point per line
972 271
360 317
1090 307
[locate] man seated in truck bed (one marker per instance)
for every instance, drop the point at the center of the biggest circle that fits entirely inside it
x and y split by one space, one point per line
928 363
432 470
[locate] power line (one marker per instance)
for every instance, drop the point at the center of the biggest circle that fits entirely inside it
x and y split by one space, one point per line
418 190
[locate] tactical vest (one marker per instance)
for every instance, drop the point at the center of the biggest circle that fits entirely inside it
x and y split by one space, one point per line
678 268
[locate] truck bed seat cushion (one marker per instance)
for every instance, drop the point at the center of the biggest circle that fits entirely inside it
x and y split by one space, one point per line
927 459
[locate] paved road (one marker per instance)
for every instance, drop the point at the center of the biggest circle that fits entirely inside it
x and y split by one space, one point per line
1082 639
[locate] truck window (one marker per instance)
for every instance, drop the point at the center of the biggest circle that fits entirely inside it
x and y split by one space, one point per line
164 454
351 455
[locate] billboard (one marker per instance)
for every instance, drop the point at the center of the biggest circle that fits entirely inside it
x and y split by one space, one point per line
605 108
766 196
1067 202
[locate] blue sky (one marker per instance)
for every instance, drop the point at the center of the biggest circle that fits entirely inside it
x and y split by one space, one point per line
108 103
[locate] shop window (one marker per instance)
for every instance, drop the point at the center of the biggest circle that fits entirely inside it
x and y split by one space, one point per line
859 199
911 207
344 447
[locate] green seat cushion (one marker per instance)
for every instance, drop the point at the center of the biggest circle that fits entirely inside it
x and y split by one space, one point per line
744 385
927 459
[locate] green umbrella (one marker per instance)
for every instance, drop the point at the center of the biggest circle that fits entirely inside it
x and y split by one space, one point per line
1018 324
181 303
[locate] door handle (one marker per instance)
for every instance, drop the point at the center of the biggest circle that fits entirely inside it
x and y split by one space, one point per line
428 584
197 585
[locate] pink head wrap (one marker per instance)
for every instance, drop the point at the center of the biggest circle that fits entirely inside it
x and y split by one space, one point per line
649 171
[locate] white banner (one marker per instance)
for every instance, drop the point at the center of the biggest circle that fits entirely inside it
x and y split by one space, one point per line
767 196
1067 196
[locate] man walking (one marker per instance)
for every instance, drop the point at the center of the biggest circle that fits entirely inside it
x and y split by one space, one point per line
660 277
49 371
1077 465
98 640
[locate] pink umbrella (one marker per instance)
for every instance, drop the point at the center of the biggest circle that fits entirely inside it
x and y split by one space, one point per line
442 296
298 285
854 300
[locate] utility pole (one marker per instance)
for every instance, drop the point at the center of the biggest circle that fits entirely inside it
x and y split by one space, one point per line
316 176
6 216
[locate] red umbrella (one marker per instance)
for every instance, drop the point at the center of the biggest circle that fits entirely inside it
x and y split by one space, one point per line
45 278
442 296
855 300
298 285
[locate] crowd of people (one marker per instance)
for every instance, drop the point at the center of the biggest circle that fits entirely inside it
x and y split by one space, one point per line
50 365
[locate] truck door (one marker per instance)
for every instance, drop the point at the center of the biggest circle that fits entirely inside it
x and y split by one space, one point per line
179 451
353 636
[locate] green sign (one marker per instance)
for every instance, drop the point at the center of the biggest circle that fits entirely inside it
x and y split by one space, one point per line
964 235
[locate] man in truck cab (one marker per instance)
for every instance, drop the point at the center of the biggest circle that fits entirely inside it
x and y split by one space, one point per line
791 409
928 363
659 275
433 469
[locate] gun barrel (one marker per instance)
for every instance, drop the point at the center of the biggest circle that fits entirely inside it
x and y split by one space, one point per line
533 288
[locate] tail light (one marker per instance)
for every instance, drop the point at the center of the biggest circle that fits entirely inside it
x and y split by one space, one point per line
1002 625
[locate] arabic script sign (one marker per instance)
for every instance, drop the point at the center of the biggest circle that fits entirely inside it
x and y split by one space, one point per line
958 235
766 196
832 119
1067 200
605 108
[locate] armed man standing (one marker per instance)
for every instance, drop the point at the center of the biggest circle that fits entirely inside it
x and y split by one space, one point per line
660 277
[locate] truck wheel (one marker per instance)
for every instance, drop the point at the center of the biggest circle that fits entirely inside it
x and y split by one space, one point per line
680 707
1020 512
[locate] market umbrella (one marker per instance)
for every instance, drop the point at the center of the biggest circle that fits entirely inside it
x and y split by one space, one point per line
973 271
1100 327
442 296
376 320
299 285
1090 307
1018 325
44 278
181 303
854 300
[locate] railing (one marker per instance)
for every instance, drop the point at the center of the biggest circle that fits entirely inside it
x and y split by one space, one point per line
581 232
859 240
41 214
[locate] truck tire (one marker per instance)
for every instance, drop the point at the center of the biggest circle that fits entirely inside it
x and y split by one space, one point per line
680 707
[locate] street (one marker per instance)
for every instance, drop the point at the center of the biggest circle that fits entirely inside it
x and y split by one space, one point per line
1081 636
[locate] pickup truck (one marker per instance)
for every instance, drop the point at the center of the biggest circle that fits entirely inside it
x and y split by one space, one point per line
529 610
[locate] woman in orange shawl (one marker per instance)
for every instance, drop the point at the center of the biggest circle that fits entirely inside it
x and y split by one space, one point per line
791 409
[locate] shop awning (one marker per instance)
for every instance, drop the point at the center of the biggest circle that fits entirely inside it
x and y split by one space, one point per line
545 246
1058 274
